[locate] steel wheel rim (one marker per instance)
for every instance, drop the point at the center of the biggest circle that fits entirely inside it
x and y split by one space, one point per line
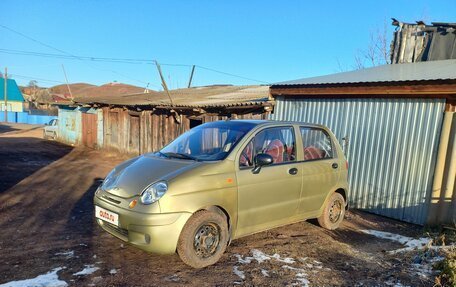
207 239
335 211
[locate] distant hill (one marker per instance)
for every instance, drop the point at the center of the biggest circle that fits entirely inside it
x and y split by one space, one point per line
75 88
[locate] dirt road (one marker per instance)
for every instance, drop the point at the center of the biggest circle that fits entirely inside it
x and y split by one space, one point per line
46 222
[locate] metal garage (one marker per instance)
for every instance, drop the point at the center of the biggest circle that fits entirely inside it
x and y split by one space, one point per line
389 121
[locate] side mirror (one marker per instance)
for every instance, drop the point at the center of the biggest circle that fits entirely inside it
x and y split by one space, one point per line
261 159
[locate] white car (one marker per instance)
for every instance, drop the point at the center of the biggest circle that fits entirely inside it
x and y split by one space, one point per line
50 130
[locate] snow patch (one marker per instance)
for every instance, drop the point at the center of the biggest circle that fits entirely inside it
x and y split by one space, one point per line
409 242
300 274
113 271
302 279
89 269
260 257
293 268
238 272
395 284
67 255
50 279
287 260
246 260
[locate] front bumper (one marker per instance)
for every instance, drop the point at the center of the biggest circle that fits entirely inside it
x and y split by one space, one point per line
152 232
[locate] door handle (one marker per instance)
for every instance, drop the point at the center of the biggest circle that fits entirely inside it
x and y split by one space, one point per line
335 165
293 171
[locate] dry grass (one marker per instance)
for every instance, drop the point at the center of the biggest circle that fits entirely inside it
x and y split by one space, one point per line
447 268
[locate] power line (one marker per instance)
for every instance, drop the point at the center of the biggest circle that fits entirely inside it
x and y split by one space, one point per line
61 51
232 75
119 60
95 59
104 59
34 40
35 78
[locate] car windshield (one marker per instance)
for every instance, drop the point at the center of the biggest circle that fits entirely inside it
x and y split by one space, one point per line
208 142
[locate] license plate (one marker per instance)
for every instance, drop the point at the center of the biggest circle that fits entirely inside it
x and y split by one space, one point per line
107 215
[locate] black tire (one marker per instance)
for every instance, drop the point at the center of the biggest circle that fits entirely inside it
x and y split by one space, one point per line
203 225
334 212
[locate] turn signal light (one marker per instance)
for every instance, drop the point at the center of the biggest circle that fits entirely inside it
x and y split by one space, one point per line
133 203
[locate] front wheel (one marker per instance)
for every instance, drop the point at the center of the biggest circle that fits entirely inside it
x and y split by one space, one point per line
203 239
334 212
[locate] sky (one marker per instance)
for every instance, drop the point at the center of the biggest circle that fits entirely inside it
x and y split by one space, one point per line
246 42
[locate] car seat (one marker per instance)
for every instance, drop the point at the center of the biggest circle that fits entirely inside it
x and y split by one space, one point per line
275 149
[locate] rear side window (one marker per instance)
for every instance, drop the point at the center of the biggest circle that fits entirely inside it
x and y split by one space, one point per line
277 142
317 144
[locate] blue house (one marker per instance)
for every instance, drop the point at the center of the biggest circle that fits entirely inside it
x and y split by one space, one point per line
15 100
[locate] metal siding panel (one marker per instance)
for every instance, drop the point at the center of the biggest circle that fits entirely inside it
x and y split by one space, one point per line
100 129
69 125
391 151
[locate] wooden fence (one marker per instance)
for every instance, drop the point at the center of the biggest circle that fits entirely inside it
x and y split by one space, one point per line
147 131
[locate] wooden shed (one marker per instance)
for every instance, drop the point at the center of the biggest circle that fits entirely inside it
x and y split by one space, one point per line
141 123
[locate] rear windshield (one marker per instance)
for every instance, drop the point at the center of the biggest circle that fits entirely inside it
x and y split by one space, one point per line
208 142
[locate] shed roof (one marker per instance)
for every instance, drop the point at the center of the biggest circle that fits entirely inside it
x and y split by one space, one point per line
197 97
13 92
419 71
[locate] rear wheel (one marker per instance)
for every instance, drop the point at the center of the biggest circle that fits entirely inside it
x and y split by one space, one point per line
334 212
203 239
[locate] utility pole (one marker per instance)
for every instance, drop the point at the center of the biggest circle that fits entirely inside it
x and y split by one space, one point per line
165 87
5 95
66 80
191 77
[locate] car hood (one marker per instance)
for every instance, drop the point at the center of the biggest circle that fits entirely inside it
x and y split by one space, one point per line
132 177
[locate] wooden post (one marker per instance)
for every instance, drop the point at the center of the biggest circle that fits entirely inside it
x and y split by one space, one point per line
191 77
165 87
5 95
66 79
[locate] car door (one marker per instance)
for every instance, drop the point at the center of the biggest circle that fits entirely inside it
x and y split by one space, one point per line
48 128
52 127
271 197
320 169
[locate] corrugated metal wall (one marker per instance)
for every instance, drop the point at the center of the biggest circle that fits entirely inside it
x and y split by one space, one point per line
69 128
26 118
392 147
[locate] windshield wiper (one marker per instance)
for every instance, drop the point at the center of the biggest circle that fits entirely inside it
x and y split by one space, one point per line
162 154
179 155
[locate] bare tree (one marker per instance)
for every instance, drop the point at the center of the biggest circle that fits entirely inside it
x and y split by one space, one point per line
33 84
377 51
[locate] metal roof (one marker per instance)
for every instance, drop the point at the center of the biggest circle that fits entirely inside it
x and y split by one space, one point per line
419 71
13 93
210 96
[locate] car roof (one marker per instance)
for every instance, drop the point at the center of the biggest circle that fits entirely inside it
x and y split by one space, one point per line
276 123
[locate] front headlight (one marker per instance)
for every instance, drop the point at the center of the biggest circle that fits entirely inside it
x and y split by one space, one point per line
109 181
154 192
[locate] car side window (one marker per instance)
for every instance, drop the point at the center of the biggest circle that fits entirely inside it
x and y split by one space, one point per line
277 142
317 144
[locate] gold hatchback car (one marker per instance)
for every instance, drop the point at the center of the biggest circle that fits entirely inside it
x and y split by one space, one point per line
221 181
